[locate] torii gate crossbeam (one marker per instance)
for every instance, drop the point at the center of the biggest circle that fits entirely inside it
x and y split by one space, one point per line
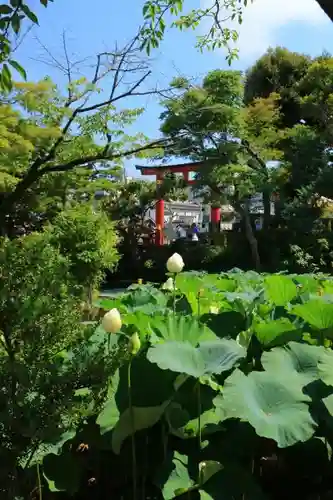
159 172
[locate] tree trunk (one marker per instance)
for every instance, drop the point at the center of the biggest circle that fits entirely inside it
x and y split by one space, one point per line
10 200
266 199
245 213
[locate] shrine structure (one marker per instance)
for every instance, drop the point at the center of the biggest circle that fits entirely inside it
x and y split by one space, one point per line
186 169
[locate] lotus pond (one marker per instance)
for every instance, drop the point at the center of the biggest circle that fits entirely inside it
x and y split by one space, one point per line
228 395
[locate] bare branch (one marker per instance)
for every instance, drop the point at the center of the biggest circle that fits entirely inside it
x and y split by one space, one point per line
102 156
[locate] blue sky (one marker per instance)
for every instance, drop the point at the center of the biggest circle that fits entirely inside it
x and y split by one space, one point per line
94 26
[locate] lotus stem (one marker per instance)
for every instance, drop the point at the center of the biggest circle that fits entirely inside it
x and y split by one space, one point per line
174 294
199 415
40 493
130 406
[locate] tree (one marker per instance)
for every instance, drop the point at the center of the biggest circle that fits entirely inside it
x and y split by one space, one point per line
278 71
62 132
212 124
155 16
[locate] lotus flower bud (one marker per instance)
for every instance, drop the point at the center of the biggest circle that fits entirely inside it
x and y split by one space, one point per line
134 344
111 321
175 263
140 281
169 284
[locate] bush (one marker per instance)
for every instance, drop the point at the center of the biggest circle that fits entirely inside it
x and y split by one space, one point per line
46 357
88 240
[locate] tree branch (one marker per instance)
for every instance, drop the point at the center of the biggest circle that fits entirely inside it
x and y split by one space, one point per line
64 167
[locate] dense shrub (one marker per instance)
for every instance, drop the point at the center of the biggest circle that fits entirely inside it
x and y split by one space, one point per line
88 240
46 356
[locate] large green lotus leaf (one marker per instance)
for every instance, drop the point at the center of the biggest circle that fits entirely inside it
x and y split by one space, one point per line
294 359
221 355
173 477
181 328
221 284
225 323
136 420
328 402
274 405
209 424
276 332
306 283
316 312
325 367
230 483
179 357
53 447
280 289
62 473
145 296
190 284
150 386
182 357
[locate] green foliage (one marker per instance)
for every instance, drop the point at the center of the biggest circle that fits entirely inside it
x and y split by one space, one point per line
48 357
156 13
88 240
213 393
12 16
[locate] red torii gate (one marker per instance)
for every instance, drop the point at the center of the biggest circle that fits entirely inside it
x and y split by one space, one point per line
159 172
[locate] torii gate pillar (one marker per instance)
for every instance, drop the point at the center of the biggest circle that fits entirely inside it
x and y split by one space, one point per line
185 170
159 214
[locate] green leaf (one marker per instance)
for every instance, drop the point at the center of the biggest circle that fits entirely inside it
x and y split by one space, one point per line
5 9
18 68
179 357
62 473
210 357
294 359
173 478
274 405
325 367
52 447
135 420
221 355
276 332
109 416
181 328
280 289
316 312
16 23
29 13
6 77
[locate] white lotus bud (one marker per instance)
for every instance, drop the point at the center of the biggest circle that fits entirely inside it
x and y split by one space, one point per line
111 321
175 263
169 284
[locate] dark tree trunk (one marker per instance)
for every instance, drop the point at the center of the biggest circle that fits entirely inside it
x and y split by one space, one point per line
267 208
244 211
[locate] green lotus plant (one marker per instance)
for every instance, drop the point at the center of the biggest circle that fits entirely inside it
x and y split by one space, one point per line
223 374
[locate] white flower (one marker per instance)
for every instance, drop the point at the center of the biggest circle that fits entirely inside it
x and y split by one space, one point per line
175 263
213 310
169 284
111 321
